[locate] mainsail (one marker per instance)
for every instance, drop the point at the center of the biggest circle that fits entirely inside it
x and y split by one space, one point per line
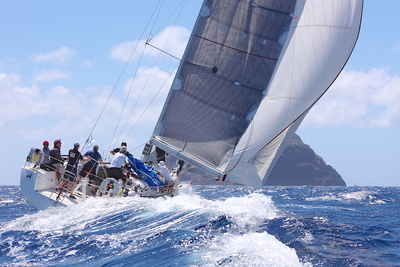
249 75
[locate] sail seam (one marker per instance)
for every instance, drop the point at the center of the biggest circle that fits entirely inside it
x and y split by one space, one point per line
269 9
326 26
287 97
240 51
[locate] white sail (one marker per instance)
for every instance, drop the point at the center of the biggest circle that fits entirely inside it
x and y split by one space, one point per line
320 45
250 73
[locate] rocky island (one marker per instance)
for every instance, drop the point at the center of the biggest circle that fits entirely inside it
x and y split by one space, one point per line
300 165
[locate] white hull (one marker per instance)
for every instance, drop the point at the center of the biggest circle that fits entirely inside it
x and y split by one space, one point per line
39 188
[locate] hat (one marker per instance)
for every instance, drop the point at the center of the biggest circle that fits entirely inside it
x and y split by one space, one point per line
57 141
76 144
45 143
162 163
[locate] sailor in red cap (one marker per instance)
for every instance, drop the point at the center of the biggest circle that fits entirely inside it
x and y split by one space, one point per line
55 158
45 165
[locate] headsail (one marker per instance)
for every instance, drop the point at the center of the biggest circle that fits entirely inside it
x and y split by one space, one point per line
250 73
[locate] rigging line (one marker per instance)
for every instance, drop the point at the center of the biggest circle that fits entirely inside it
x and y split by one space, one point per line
162 25
137 100
148 106
134 106
160 3
139 146
234 182
147 43
203 178
140 95
251 126
130 57
118 80
126 99
158 58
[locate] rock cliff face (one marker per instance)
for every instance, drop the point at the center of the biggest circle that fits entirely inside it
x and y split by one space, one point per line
299 165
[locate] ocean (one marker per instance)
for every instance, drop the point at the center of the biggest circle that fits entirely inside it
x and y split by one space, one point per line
208 226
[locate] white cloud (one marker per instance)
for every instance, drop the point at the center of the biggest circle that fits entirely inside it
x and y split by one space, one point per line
89 63
58 91
172 40
7 81
36 113
61 56
124 51
151 87
51 75
25 104
15 98
10 63
396 47
359 99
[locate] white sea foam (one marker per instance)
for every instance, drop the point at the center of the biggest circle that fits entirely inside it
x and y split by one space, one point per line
240 246
253 249
69 218
330 196
358 195
362 195
7 201
244 210
307 237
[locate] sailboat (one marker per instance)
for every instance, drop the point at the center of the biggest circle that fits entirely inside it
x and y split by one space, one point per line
251 72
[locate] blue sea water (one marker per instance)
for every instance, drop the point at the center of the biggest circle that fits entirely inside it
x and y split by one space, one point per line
208 226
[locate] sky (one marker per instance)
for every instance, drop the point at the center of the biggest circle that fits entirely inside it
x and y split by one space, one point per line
62 61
